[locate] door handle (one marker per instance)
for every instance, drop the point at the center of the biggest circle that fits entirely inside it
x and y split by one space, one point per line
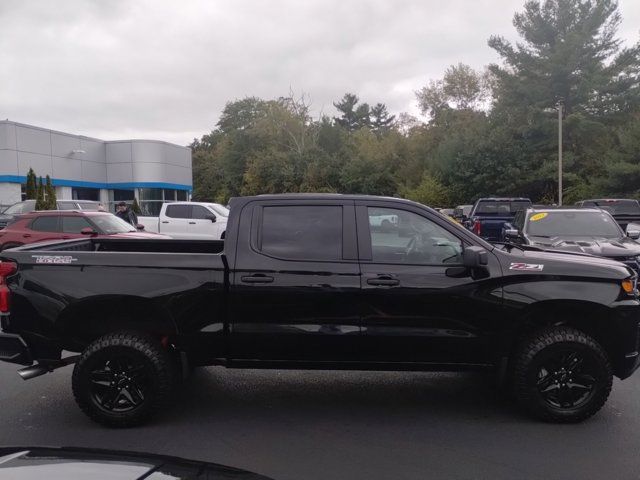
257 278
26 235
192 223
383 281
165 221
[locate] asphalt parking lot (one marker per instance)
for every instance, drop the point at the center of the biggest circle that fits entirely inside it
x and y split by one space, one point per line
343 425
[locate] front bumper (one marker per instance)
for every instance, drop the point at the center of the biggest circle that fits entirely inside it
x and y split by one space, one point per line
13 349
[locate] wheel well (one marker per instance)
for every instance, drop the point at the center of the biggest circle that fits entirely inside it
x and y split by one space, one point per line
83 322
588 317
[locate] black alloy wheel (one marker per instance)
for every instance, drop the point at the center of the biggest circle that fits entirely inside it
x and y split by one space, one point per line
561 374
123 379
121 384
567 379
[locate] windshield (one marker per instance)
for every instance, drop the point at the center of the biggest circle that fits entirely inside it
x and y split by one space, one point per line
19 208
617 207
110 224
501 207
573 224
219 209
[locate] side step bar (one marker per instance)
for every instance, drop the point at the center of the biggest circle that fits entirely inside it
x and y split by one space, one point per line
38 369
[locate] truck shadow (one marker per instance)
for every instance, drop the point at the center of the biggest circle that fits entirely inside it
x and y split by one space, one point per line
215 391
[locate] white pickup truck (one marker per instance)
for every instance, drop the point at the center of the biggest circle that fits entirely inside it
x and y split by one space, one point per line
189 221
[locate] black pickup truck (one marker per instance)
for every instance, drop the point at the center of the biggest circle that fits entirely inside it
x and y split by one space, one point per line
624 210
319 281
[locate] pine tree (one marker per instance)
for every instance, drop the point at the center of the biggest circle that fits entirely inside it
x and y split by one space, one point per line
381 121
31 188
51 201
40 201
353 116
135 207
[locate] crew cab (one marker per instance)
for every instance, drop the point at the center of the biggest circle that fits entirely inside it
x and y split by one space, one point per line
488 215
316 281
66 224
189 220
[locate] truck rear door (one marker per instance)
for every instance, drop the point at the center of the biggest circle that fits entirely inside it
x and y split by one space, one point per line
296 282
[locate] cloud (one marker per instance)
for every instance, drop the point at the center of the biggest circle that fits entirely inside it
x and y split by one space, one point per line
164 70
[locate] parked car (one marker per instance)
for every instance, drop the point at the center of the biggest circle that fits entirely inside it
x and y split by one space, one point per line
624 210
461 213
585 230
488 215
29 206
36 463
306 281
189 220
66 224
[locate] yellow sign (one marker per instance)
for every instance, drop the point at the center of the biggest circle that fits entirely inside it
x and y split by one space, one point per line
538 216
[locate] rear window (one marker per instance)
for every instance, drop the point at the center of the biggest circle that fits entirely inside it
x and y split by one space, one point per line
179 211
45 224
501 207
302 232
616 207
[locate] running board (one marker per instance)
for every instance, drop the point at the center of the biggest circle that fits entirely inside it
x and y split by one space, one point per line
41 368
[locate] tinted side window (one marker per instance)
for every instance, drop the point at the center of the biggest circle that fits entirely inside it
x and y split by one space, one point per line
199 212
398 236
302 232
74 224
179 211
45 224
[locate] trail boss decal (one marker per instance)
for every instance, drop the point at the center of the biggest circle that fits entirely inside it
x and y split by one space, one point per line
529 267
55 259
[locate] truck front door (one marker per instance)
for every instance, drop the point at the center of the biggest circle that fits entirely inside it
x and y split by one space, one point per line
419 304
296 282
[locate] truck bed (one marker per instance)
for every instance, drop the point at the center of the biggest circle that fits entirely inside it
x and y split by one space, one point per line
126 245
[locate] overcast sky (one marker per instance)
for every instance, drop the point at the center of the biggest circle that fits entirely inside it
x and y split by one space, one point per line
164 69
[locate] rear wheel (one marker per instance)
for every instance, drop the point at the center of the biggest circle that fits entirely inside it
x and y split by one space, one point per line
123 379
562 375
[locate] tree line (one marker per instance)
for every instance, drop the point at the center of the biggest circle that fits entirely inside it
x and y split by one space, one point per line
489 132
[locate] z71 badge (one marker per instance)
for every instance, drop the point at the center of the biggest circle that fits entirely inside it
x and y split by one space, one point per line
529 267
55 259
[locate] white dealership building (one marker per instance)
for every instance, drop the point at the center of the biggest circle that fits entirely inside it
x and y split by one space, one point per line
87 168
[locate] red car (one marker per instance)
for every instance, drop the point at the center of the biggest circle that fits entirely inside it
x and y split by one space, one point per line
65 224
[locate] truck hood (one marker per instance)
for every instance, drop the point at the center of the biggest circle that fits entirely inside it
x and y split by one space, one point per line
618 248
561 264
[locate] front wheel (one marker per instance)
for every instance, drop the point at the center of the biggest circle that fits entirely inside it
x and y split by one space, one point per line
123 379
562 375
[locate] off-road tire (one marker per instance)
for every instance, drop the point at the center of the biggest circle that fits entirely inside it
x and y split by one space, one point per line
542 346
160 377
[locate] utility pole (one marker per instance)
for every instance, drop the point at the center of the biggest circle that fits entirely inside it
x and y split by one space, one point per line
560 106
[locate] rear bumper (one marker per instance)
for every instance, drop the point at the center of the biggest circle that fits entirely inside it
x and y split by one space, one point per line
13 349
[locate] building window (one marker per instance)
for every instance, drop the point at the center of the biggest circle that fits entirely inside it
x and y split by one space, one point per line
85 194
151 199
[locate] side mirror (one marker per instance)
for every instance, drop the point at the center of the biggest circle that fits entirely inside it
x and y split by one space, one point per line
139 226
212 218
474 257
88 231
511 233
633 234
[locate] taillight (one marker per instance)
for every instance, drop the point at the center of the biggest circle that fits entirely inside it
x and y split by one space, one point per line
6 269
477 228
